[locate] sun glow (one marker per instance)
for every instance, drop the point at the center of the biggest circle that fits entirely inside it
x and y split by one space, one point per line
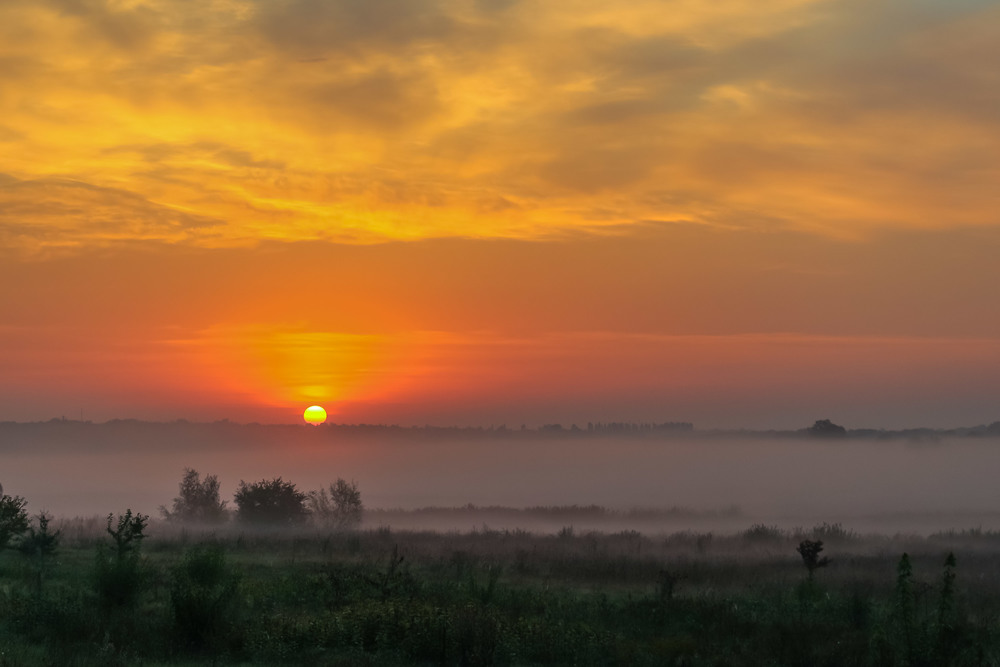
314 415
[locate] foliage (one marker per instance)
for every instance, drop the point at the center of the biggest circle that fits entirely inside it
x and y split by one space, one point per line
824 428
810 550
948 627
760 532
833 532
129 533
198 501
119 576
203 596
498 597
13 519
392 579
340 509
904 630
39 546
271 503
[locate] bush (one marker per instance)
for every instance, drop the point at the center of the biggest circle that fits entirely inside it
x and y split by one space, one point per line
198 500
340 509
119 575
760 532
810 550
203 594
271 503
13 519
833 532
39 546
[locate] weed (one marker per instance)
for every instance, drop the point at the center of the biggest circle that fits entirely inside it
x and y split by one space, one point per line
760 532
833 532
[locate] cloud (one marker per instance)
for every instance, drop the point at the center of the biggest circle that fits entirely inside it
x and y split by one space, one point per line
311 28
368 121
57 213
379 100
126 27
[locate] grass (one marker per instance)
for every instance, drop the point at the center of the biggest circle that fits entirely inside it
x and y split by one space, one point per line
485 597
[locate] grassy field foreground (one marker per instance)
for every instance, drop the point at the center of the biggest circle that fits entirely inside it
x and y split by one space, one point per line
485 597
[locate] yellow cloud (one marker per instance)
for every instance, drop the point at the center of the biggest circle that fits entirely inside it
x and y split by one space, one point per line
365 121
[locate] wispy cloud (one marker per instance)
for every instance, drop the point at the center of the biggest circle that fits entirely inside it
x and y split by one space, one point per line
63 213
365 121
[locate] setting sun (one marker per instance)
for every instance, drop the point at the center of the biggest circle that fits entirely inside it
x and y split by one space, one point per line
314 415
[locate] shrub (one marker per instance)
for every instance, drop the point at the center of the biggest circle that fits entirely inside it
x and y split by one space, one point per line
810 550
119 575
833 532
949 628
202 595
198 500
270 503
39 546
760 532
340 509
13 519
129 534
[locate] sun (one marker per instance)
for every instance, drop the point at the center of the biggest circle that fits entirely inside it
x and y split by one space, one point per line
314 415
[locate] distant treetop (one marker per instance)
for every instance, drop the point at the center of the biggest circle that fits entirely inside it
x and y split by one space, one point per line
824 428
198 500
271 502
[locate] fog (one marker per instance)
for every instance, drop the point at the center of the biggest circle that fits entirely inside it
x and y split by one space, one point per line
81 469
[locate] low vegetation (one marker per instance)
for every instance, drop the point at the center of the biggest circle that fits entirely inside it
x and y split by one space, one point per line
128 590
288 579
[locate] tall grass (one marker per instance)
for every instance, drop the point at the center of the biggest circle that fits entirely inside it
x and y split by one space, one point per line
507 597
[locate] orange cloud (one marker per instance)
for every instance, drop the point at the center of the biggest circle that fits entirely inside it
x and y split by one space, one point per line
404 206
364 122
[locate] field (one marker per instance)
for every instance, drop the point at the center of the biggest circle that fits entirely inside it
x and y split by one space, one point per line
479 597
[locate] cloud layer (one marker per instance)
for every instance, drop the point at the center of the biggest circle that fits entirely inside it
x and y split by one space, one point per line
229 121
735 212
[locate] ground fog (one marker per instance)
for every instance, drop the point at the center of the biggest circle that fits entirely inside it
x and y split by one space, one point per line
691 481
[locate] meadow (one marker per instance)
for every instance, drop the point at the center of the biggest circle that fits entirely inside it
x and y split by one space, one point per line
383 596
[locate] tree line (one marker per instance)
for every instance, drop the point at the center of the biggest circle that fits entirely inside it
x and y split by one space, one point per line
268 502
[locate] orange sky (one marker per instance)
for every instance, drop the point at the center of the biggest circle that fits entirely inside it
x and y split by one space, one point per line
501 211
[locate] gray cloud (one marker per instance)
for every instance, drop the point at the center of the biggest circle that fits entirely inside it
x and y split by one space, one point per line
316 27
230 155
126 28
58 212
381 99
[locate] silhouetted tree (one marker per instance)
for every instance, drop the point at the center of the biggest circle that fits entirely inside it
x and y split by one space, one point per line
810 550
129 533
40 542
274 503
198 500
13 518
120 575
341 508
39 546
948 638
824 428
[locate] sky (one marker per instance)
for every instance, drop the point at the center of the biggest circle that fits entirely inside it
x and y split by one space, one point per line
736 213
